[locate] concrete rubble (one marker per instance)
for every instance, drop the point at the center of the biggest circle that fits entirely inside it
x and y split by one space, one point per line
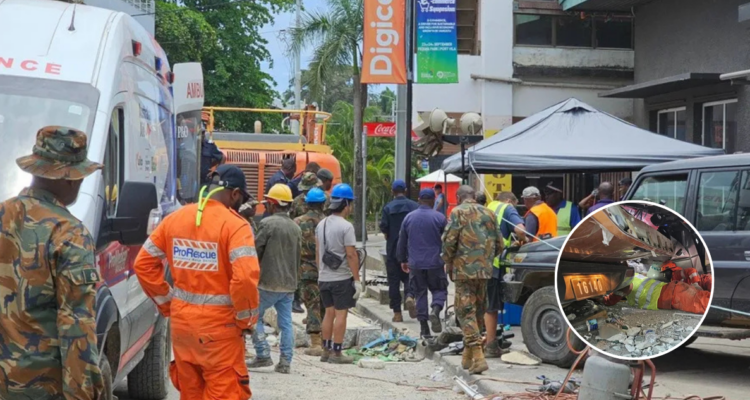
636 333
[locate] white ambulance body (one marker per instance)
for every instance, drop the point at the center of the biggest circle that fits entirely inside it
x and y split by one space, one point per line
99 71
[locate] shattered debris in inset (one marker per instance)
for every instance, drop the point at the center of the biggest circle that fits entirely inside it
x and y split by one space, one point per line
635 333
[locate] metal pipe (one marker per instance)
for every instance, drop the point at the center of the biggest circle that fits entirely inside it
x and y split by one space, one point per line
735 75
298 73
467 389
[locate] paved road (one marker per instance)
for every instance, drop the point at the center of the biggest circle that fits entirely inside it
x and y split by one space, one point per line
311 379
707 367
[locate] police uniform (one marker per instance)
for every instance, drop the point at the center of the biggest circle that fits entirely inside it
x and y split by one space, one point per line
470 243
47 282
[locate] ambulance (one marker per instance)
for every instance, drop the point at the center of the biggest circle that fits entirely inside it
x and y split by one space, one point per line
101 72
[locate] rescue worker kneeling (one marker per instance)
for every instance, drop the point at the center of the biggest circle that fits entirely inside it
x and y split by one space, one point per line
211 254
651 293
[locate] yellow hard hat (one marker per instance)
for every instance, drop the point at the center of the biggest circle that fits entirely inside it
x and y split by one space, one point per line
281 193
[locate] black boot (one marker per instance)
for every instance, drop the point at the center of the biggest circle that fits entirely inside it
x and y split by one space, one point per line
424 328
437 327
297 307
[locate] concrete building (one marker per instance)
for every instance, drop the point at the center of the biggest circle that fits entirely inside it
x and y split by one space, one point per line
519 57
682 48
142 10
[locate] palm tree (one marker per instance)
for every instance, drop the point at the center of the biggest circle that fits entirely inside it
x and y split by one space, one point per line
337 36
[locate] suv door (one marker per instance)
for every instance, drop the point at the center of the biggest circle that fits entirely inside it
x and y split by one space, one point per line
722 216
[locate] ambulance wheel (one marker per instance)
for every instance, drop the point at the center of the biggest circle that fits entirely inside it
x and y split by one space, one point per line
544 329
106 370
150 378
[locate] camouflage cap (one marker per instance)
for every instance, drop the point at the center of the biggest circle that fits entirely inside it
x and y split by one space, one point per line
309 181
59 153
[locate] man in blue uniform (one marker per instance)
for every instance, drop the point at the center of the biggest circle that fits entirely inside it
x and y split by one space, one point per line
390 224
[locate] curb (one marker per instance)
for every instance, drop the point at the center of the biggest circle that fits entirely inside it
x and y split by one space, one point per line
451 368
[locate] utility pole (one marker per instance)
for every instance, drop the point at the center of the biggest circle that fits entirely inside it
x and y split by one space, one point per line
410 40
296 125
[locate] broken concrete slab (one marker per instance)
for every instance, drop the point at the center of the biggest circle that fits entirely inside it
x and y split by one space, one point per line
634 331
520 358
608 331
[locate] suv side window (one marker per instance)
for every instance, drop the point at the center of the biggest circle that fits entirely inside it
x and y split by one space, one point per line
723 201
669 190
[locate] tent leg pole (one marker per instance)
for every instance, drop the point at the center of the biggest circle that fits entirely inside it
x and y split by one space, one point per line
463 167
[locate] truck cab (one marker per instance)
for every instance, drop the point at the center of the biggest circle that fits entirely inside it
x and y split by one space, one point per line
99 71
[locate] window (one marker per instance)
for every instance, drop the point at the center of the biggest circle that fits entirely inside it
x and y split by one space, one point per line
614 33
534 29
669 190
467 27
112 167
188 155
720 124
574 31
671 123
716 208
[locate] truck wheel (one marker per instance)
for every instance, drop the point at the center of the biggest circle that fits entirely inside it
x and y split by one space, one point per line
106 377
544 329
150 378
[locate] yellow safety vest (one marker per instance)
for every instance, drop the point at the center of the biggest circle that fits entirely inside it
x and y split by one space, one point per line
646 292
563 219
499 209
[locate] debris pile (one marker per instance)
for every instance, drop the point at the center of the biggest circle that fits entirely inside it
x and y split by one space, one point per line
389 347
637 333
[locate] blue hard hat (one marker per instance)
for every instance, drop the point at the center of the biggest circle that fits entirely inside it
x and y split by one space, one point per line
343 191
315 195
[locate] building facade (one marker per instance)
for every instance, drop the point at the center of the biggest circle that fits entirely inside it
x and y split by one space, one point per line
682 49
142 11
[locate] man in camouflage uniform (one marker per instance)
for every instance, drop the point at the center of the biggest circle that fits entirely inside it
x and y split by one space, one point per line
471 242
308 270
47 278
247 211
299 206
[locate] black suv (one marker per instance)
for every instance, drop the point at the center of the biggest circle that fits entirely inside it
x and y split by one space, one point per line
713 193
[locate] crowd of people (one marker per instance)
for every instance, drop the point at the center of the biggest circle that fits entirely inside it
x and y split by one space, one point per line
424 249
226 271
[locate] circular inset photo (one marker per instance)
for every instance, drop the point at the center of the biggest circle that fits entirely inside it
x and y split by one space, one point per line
634 280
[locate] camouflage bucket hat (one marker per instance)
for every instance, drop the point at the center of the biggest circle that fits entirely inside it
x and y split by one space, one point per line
59 153
309 181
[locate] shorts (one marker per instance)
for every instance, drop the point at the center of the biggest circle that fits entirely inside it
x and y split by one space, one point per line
494 295
338 294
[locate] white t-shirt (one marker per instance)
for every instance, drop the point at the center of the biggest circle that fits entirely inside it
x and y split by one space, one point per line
339 233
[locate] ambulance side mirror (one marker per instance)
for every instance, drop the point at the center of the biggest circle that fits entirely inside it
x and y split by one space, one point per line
130 225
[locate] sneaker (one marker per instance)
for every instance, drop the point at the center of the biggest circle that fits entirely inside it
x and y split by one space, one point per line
437 327
297 307
340 358
283 367
260 363
411 305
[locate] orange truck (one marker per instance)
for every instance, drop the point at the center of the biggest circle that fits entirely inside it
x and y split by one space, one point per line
259 155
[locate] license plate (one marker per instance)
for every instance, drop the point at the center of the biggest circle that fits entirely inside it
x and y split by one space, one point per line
589 286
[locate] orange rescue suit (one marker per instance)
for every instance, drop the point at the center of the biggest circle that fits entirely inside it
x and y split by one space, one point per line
547 220
688 275
215 297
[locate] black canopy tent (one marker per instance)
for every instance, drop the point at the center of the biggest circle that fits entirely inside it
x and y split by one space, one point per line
572 136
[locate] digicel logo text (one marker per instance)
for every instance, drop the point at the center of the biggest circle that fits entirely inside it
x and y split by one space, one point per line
29 65
386 38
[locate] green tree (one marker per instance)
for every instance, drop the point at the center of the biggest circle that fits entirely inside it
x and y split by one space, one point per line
232 68
336 36
337 88
184 34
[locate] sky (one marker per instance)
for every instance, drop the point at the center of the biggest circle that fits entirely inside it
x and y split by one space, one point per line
283 67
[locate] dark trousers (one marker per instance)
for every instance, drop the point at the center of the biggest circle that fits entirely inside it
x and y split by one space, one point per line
434 280
396 276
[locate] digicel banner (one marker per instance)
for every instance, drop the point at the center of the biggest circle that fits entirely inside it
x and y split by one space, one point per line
384 58
384 129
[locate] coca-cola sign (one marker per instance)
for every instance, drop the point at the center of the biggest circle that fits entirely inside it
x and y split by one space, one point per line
383 129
